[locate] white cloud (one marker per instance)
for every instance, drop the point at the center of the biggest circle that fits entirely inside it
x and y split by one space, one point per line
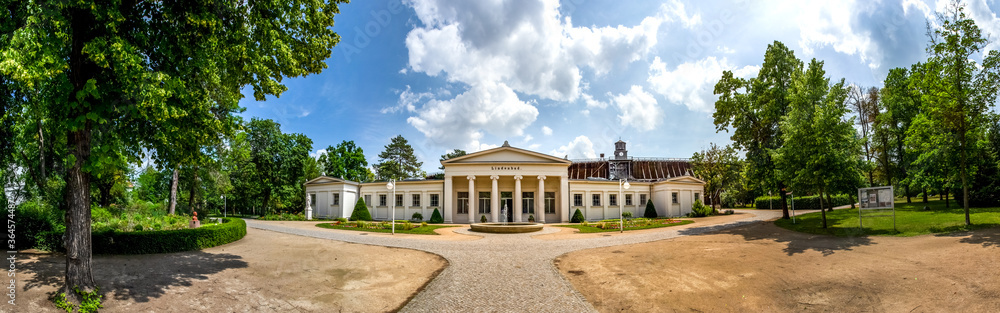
980 12
833 24
546 130
593 103
579 148
317 153
407 101
693 84
528 46
638 109
675 10
462 121
528 138
585 112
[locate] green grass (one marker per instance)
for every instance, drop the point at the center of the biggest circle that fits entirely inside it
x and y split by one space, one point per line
591 229
911 220
420 230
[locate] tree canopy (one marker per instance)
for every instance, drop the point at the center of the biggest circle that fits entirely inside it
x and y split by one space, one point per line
397 161
346 161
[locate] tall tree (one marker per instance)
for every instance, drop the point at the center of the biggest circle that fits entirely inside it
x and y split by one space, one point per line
397 161
865 104
900 104
719 167
960 91
753 108
821 147
347 161
451 155
279 161
175 68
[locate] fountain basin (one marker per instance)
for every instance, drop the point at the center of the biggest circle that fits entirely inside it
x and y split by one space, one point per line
508 228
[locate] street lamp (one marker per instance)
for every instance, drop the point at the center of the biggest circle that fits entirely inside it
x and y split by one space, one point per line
622 184
392 206
224 208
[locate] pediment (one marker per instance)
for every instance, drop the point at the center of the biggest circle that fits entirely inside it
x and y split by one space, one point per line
326 180
506 155
686 180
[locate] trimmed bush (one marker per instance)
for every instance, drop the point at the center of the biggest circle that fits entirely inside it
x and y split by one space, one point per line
361 211
531 218
482 219
627 214
802 203
167 241
578 217
650 210
700 210
436 217
417 216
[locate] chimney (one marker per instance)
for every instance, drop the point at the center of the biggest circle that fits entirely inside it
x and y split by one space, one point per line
602 156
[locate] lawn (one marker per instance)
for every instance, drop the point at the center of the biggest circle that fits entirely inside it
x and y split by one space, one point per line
911 220
589 227
382 227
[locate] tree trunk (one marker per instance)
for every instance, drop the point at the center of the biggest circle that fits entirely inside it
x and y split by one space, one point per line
784 201
105 190
821 210
194 183
41 150
173 193
925 194
940 195
906 189
830 202
947 200
78 241
853 201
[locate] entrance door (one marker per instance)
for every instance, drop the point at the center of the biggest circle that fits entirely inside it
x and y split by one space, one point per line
507 201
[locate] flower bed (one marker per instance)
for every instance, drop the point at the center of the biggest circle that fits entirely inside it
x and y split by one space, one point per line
405 227
166 241
630 224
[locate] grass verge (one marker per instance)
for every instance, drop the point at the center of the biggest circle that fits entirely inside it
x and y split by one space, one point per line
420 230
911 220
591 229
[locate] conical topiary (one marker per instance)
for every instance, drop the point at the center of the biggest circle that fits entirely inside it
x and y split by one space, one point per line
436 217
650 210
578 217
361 211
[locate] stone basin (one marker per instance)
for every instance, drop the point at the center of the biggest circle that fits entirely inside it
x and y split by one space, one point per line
508 228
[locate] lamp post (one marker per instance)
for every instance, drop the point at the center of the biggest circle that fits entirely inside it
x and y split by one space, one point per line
224 208
622 185
392 206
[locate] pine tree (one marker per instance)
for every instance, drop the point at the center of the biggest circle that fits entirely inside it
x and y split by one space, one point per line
650 210
397 161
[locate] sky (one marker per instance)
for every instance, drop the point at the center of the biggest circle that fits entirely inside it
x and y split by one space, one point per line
569 78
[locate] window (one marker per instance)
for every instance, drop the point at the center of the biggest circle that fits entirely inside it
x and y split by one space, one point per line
416 200
528 202
597 199
336 199
612 199
550 202
463 202
577 199
697 197
368 200
642 199
381 200
312 200
434 199
484 202
399 200
628 199
673 197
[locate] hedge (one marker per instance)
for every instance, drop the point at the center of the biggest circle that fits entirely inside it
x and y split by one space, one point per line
801 203
436 217
166 241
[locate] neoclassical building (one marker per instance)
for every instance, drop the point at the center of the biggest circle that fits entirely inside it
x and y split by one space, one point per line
516 184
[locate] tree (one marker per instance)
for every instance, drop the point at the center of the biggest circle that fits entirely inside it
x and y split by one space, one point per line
397 161
347 161
174 68
719 167
753 108
451 155
821 148
360 212
650 210
960 93
279 160
436 217
865 103
900 104
577 217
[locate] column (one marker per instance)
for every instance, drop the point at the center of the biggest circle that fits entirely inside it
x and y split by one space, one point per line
445 200
518 206
540 198
494 199
473 202
564 213
425 201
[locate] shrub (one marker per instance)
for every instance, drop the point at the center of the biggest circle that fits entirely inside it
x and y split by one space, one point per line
578 217
531 218
283 217
436 217
482 219
342 219
802 203
700 210
627 214
33 222
407 225
728 199
166 241
422 224
417 216
361 211
650 210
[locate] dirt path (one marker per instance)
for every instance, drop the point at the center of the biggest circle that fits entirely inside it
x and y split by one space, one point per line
763 268
263 272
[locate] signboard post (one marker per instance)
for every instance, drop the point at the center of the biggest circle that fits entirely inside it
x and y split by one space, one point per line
876 200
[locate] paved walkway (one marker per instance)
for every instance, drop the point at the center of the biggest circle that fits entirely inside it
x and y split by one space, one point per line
506 272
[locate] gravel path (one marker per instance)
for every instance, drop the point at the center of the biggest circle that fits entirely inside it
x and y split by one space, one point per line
506 272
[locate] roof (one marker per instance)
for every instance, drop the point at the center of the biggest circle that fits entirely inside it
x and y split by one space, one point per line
641 169
470 158
328 180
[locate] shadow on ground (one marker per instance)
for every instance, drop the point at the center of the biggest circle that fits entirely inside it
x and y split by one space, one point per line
795 242
988 237
137 278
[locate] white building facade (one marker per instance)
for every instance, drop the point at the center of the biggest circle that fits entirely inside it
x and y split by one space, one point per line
513 184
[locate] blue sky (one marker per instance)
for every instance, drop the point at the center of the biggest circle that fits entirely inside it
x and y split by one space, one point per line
571 77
